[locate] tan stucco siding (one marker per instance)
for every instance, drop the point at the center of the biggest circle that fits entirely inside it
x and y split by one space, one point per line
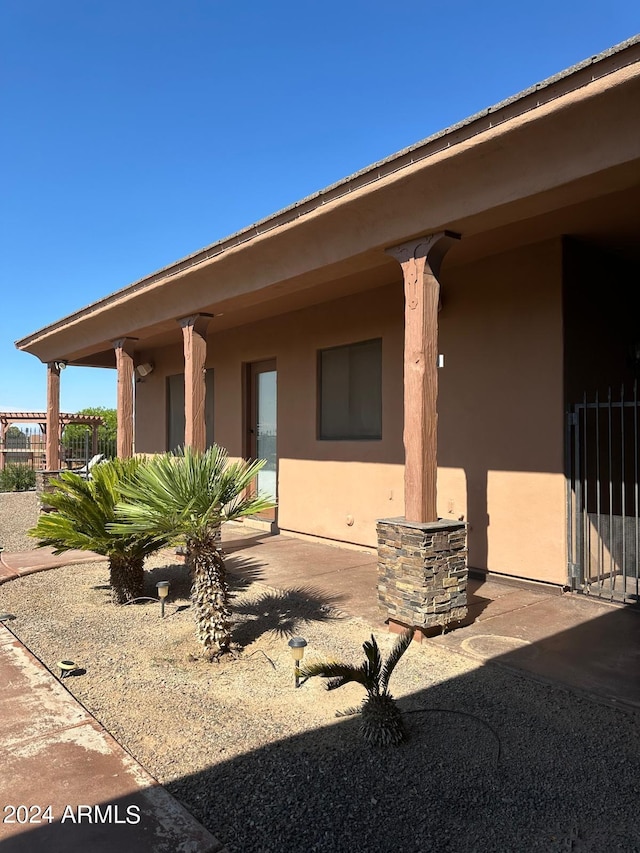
333 489
500 411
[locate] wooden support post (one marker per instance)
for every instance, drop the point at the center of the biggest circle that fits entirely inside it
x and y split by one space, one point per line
420 261
52 446
194 332
124 364
3 436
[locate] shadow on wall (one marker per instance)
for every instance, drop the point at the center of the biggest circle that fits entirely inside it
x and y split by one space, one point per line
563 776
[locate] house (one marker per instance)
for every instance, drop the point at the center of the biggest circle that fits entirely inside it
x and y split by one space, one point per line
504 249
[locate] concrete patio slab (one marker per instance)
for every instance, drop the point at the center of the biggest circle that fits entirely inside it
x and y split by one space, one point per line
6 574
81 789
487 600
582 643
348 577
565 638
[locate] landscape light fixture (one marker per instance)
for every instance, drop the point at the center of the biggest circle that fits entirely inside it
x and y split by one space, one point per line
163 592
297 646
7 617
66 666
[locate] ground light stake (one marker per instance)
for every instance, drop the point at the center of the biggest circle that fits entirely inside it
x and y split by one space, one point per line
297 646
66 667
163 592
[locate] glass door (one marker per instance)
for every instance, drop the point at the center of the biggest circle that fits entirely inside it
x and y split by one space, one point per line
262 426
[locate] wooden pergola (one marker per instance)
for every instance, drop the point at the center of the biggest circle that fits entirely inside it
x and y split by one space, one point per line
7 419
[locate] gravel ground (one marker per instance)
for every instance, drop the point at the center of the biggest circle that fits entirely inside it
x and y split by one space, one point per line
18 512
506 764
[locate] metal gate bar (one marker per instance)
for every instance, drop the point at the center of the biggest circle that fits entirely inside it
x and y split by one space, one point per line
603 497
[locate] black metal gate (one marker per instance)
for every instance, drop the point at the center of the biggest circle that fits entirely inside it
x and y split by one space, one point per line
603 502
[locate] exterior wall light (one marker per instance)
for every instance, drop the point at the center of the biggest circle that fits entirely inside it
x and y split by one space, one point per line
297 646
163 592
60 365
144 369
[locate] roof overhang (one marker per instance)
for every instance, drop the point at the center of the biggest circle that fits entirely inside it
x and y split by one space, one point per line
560 158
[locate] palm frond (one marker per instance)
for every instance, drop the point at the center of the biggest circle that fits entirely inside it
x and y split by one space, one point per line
85 509
338 674
349 712
189 494
402 644
373 663
381 718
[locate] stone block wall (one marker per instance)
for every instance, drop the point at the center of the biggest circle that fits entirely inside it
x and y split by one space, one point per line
422 572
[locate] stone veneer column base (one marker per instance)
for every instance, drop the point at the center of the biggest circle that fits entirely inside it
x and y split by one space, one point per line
422 573
43 485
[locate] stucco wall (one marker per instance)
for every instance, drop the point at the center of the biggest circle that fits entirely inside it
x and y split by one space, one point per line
323 485
500 411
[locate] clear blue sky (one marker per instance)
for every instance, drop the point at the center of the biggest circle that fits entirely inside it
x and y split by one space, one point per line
133 133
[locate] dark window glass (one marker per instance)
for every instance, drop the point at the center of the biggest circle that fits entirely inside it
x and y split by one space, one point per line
175 409
350 391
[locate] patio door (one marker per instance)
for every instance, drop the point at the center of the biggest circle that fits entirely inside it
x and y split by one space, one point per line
262 422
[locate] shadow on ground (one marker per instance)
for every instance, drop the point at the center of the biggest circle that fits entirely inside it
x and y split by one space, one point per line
566 779
283 612
240 576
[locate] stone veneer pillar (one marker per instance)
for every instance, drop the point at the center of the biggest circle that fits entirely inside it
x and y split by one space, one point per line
422 572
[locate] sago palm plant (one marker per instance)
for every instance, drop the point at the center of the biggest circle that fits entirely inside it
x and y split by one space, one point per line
187 496
381 723
83 511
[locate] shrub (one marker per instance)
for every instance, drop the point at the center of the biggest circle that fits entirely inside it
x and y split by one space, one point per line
17 478
381 723
84 510
188 496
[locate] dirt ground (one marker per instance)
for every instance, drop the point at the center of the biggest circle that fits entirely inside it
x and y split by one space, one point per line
147 680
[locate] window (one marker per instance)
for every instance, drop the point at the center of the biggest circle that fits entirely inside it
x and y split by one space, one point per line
350 391
175 409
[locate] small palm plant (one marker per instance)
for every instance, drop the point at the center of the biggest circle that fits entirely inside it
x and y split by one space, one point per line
186 496
83 511
381 723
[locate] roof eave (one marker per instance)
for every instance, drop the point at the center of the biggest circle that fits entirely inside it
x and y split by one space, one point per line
565 81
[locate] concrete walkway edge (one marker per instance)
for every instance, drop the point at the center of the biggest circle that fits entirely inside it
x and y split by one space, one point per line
55 754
